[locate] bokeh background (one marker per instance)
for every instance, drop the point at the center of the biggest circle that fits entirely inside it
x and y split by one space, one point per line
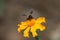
11 12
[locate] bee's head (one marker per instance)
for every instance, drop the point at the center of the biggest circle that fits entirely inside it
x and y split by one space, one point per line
29 17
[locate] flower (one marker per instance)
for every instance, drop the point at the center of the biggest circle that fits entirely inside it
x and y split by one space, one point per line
31 26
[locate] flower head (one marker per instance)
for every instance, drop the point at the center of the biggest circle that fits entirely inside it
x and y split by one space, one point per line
31 26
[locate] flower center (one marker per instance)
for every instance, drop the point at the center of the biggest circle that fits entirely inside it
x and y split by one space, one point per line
30 22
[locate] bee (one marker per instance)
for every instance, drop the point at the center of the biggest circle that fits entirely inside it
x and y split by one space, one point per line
30 16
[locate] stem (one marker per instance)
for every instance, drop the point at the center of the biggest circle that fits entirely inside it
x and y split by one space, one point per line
38 37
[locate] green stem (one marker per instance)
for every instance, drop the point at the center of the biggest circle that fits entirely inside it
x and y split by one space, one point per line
38 37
